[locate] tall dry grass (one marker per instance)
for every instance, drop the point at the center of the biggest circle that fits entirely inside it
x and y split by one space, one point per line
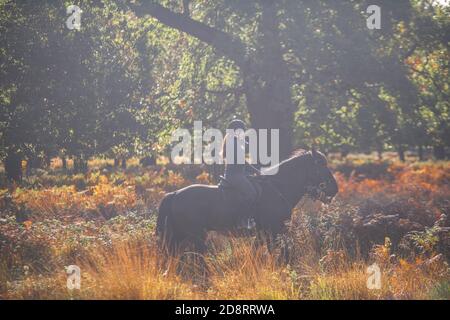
238 270
118 258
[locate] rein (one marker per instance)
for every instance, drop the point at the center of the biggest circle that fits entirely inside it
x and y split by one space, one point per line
281 195
290 206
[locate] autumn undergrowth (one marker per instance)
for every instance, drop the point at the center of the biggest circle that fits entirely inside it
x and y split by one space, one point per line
392 215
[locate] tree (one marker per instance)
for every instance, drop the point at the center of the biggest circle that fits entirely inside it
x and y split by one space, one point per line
266 81
316 56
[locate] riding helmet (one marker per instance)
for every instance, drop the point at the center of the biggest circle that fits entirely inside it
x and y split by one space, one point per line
236 124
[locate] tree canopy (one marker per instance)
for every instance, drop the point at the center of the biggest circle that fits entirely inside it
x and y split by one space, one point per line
135 71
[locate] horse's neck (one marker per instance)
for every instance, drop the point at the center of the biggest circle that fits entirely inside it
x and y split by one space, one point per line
287 182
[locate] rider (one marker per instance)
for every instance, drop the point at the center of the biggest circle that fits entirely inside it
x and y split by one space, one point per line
235 172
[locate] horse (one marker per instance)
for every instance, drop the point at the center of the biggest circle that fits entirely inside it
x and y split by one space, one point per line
185 216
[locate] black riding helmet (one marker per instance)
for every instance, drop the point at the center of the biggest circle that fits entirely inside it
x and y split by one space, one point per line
236 124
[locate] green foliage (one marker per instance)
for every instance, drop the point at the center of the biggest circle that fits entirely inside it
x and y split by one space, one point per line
119 86
441 291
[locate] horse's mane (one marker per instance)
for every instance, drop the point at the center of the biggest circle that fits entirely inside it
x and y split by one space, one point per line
296 154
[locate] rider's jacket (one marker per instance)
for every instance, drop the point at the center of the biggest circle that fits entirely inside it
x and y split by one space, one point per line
234 167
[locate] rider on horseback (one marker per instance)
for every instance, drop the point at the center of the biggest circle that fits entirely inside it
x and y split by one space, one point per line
235 175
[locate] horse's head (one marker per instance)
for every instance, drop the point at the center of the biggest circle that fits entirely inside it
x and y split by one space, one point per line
321 184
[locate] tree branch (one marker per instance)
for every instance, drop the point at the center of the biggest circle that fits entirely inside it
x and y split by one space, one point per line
237 90
186 10
221 41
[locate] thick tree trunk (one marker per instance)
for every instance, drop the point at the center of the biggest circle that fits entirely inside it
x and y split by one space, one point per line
13 167
268 85
264 115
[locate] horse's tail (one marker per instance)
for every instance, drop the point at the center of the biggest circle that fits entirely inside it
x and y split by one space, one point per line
164 228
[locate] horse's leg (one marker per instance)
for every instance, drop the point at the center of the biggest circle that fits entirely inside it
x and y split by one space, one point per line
272 241
261 238
174 245
195 261
199 244
271 238
278 239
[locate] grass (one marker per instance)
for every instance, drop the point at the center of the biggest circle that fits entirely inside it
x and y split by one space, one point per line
104 224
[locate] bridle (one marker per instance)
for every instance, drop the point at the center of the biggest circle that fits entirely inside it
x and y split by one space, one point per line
317 192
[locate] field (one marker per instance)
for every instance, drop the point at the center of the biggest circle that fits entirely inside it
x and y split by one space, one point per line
389 213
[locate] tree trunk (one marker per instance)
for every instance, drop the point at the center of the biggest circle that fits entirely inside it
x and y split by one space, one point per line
13 167
46 160
116 162
401 153
64 163
380 155
76 165
33 162
439 152
79 165
420 153
380 150
264 116
344 153
267 84
124 163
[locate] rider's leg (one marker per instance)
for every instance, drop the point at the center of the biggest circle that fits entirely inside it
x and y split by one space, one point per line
247 194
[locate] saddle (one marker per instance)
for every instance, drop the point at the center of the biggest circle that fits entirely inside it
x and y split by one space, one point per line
231 195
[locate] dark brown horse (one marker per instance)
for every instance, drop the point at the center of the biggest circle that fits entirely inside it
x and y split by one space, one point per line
185 216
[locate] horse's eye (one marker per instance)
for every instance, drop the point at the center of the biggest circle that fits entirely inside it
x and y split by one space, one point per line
322 185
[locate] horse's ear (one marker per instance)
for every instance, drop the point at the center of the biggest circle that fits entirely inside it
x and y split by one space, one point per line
313 150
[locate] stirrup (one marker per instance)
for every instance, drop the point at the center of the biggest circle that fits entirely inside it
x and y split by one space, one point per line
247 224
222 178
251 223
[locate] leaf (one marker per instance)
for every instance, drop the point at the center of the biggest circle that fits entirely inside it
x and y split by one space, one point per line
27 224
